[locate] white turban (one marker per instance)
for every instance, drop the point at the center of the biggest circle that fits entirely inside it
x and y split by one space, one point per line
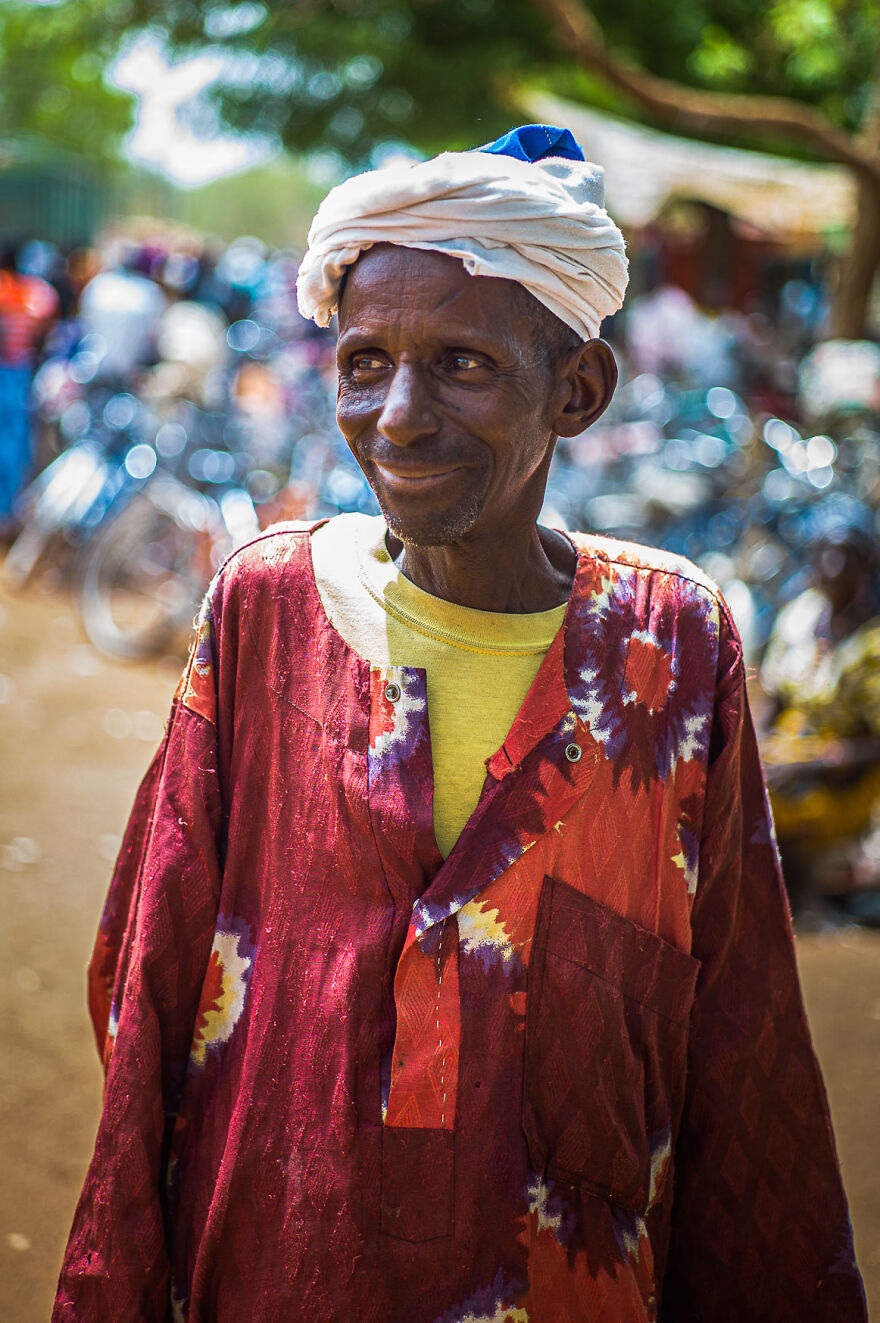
540 223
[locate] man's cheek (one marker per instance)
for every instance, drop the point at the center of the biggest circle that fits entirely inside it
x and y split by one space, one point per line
355 407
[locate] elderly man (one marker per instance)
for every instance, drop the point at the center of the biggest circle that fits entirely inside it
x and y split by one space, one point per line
446 973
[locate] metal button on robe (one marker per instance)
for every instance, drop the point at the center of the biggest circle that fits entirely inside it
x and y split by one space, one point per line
573 753
392 692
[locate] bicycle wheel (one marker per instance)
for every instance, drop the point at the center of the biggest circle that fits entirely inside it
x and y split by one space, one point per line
137 587
49 505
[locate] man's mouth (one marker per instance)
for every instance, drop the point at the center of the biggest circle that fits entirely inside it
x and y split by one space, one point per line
415 477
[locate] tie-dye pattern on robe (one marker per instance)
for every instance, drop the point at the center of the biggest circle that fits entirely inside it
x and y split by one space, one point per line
562 1075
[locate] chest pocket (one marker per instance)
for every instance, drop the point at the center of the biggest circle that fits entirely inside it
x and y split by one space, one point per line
606 1046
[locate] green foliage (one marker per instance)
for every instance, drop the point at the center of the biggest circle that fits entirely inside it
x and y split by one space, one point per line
52 86
346 75
717 60
276 202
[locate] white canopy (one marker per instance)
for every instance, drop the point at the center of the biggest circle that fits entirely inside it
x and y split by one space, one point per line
644 168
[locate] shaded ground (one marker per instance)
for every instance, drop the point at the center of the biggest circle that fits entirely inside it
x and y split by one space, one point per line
77 733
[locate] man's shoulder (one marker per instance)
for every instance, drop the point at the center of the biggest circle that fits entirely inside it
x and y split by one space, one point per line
658 583
275 564
287 550
280 547
644 561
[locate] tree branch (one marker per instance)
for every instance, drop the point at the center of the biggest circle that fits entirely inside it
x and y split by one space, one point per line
869 137
697 111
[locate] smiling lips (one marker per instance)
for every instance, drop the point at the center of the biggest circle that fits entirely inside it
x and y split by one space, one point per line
415 477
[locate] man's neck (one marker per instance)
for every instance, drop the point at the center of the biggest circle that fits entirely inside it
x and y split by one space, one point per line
491 577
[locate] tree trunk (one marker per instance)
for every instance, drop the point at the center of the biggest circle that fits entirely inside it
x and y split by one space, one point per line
698 112
861 266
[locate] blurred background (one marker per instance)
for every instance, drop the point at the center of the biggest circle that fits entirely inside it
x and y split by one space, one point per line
161 400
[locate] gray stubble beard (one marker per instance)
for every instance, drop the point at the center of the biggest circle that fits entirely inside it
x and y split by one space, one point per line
450 526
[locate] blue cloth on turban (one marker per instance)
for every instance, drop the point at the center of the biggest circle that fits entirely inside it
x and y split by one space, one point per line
532 142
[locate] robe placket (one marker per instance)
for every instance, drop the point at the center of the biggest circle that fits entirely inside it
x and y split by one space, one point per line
417 1140
549 757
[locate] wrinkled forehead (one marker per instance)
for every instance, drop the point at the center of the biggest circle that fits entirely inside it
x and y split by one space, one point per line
399 261
401 286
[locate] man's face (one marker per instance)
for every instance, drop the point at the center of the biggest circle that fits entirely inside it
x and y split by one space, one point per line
443 398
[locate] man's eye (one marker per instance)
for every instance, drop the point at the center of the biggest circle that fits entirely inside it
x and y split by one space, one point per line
463 362
366 363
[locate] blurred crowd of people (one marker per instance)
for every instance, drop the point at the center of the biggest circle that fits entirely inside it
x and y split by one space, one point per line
158 313
28 307
733 439
752 447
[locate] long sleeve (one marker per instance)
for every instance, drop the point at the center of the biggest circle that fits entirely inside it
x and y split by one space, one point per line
145 980
760 1227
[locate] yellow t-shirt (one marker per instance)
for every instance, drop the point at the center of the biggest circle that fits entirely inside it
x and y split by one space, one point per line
479 664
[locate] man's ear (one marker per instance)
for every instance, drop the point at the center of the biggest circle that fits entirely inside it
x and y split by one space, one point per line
588 377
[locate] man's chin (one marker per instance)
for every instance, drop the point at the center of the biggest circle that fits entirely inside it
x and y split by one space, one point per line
437 529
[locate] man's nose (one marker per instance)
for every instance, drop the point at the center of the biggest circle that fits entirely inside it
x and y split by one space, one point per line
408 412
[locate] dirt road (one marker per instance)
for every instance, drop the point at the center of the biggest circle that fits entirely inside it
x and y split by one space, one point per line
77 733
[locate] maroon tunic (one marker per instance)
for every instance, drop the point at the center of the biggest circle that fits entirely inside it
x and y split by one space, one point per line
563 1075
